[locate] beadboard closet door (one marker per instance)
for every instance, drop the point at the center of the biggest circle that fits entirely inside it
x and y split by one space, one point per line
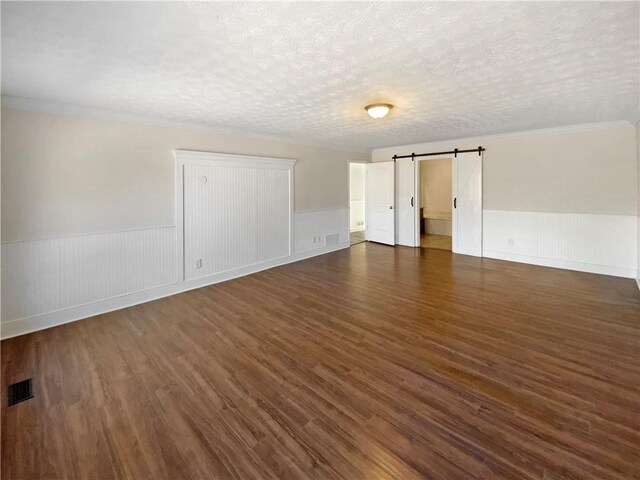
236 214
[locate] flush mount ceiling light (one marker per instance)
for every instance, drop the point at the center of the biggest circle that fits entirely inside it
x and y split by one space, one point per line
378 110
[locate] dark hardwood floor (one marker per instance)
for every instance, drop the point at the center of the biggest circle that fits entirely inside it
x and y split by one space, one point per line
368 363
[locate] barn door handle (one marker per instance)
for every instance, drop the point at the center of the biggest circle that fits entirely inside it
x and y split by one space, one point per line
412 201
454 202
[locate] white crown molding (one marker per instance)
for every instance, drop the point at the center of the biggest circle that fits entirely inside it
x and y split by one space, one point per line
232 159
583 127
46 106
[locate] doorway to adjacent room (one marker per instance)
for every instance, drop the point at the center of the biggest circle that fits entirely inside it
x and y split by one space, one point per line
357 175
435 203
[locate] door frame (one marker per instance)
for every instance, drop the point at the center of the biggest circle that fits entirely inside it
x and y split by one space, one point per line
364 162
447 156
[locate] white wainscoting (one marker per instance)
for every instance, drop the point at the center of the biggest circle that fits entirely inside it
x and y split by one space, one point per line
329 227
49 275
51 282
234 218
233 211
603 244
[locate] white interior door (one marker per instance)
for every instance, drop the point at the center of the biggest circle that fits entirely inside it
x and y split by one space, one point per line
467 208
405 202
379 203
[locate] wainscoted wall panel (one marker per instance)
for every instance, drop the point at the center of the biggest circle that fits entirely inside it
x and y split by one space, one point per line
49 275
234 217
592 243
319 224
51 282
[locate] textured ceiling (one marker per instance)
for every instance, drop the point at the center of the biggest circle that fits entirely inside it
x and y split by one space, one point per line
306 70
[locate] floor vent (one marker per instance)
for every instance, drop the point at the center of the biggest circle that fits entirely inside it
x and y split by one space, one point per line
20 391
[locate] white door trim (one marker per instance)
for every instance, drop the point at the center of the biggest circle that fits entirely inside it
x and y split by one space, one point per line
362 162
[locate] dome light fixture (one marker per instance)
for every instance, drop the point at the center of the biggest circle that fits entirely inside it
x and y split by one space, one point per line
378 110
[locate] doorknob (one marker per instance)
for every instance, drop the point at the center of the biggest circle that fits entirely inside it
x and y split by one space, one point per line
454 202
412 201
390 207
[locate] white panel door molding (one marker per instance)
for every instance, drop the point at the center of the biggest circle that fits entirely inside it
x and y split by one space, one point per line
233 211
467 208
405 202
380 200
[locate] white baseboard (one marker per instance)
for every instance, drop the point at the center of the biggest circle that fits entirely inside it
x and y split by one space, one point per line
565 264
21 326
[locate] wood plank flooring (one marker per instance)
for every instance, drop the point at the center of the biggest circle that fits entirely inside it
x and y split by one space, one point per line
357 237
440 242
367 363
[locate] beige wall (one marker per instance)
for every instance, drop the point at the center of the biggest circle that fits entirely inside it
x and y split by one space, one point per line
435 185
583 171
67 175
356 179
435 193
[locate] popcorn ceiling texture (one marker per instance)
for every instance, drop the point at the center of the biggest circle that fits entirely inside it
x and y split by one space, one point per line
306 70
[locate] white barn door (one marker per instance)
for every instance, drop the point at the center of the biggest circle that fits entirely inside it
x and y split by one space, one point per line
405 202
467 207
379 203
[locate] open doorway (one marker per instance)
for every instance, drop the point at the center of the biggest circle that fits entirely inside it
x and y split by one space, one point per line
435 194
357 175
